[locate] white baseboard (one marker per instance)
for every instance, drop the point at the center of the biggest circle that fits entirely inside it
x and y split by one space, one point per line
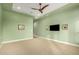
71 44
5 42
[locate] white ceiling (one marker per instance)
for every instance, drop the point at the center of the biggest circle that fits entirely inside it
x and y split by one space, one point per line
26 8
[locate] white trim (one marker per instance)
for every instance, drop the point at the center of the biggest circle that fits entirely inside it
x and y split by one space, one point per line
5 42
76 45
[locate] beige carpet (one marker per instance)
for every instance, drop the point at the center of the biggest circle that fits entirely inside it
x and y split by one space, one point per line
38 46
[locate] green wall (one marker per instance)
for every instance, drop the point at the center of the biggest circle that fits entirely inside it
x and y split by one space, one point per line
10 26
7 6
0 24
9 21
68 14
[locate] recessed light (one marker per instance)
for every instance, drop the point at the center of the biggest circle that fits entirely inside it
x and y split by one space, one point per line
18 7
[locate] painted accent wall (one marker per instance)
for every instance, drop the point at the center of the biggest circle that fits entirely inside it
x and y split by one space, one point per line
68 14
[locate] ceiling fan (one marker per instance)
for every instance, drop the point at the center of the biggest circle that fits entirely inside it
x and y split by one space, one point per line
41 8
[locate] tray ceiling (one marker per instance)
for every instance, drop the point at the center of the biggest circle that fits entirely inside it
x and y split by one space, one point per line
27 8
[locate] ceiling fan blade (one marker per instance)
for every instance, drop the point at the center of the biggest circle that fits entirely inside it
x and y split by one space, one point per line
35 9
41 11
44 7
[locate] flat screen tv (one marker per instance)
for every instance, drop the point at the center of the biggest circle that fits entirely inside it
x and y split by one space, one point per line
55 27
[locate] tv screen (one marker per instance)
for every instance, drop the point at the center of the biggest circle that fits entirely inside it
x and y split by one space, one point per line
54 27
